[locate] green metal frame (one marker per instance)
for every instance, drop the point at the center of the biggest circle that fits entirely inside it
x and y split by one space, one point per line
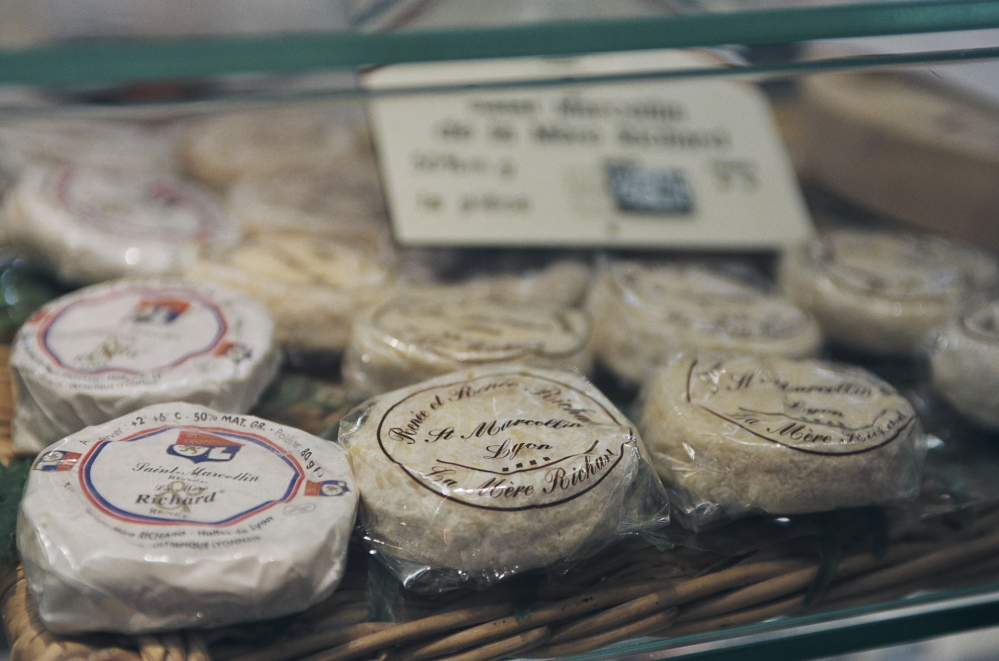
104 61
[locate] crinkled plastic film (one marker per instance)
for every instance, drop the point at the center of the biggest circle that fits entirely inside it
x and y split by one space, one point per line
644 312
482 474
883 292
416 336
734 436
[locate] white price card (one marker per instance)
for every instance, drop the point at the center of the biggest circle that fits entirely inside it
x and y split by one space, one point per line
679 163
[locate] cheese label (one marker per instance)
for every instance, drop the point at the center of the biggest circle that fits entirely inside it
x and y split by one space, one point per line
801 405
677 163
183 476
504 441
133 330
135 206
469 330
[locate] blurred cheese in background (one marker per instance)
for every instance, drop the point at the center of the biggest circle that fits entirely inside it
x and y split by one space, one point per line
916 144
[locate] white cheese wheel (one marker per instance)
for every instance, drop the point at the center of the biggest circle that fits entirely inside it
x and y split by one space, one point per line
883 292
487 472
221 149
761 434
178 516
964 363
416 336
341 200
562 283
92 224
128 146
313 286
906 147
643 314
109 349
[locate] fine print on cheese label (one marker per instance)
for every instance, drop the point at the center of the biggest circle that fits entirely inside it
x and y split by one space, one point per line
91 224
416 336
486 472
645 313
883 292
109 349
737 435
177 516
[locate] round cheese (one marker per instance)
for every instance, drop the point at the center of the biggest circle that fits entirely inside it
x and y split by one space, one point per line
312 286
415 336
750 434
90 224
964 363
643 314
487 472
178 516
562 283
221 149
130 146
109 349
341 200
883 292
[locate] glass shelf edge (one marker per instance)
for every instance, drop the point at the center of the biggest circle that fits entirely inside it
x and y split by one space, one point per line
234 100
119 61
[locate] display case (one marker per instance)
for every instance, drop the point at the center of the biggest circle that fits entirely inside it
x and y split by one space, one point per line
517 151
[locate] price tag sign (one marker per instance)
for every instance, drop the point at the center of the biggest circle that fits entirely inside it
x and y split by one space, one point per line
683 163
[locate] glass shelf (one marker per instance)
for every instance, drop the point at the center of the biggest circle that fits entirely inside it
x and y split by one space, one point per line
830 633
346 37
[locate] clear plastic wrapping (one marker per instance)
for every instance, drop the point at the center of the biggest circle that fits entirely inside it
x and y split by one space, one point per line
109 349
739 435
488 472
313 286
964 362
177 516
88 224
883 292
643 313
418 335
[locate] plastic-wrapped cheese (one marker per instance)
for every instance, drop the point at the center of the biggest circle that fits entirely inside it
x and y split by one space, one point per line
561 283
643 314
131 146
313 286
91 224
416 336
178 516
487 472
219 150
336 199
109 349
964 363
750 434
883 292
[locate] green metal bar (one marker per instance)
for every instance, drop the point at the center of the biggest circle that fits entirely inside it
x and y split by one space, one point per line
117 61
